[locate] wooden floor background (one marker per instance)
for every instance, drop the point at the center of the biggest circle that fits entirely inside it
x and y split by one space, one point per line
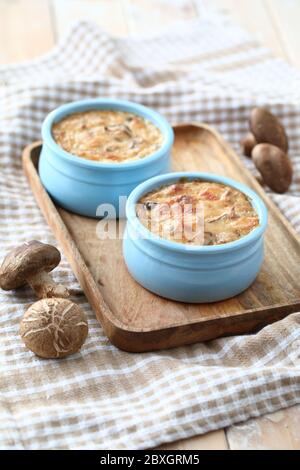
29 28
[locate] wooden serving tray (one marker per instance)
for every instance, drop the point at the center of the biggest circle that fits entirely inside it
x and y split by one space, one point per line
136 320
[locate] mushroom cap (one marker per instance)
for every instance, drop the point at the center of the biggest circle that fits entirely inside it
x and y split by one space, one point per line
25 261
54 328
274 166
267 128
248 143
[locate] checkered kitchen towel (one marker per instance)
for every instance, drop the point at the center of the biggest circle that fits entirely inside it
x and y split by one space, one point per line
208 70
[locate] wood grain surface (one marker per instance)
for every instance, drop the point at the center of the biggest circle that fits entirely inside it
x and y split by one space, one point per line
275 23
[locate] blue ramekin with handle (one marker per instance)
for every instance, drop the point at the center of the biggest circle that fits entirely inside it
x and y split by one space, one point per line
193 274
93 188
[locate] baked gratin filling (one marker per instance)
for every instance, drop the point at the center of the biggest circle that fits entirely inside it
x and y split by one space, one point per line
107 136
197 213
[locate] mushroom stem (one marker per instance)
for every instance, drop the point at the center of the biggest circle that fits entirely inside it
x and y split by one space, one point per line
44 286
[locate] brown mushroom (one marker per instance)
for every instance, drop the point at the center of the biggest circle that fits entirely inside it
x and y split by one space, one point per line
274 166
30 263
54 328
260 179
268 129
248 144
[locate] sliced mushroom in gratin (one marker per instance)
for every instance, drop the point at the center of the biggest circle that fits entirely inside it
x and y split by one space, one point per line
197 213
107 136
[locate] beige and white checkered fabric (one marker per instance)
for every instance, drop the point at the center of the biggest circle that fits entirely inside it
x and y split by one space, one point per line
103 398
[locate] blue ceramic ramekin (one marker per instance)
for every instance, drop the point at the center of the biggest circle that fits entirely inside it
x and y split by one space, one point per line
187 273
81 185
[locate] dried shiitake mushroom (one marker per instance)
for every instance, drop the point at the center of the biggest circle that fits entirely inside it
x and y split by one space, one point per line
54 328
274 166
30 263
267 128
260 179
248 144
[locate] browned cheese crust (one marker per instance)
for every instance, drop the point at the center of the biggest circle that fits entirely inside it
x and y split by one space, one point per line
107 136
197 213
